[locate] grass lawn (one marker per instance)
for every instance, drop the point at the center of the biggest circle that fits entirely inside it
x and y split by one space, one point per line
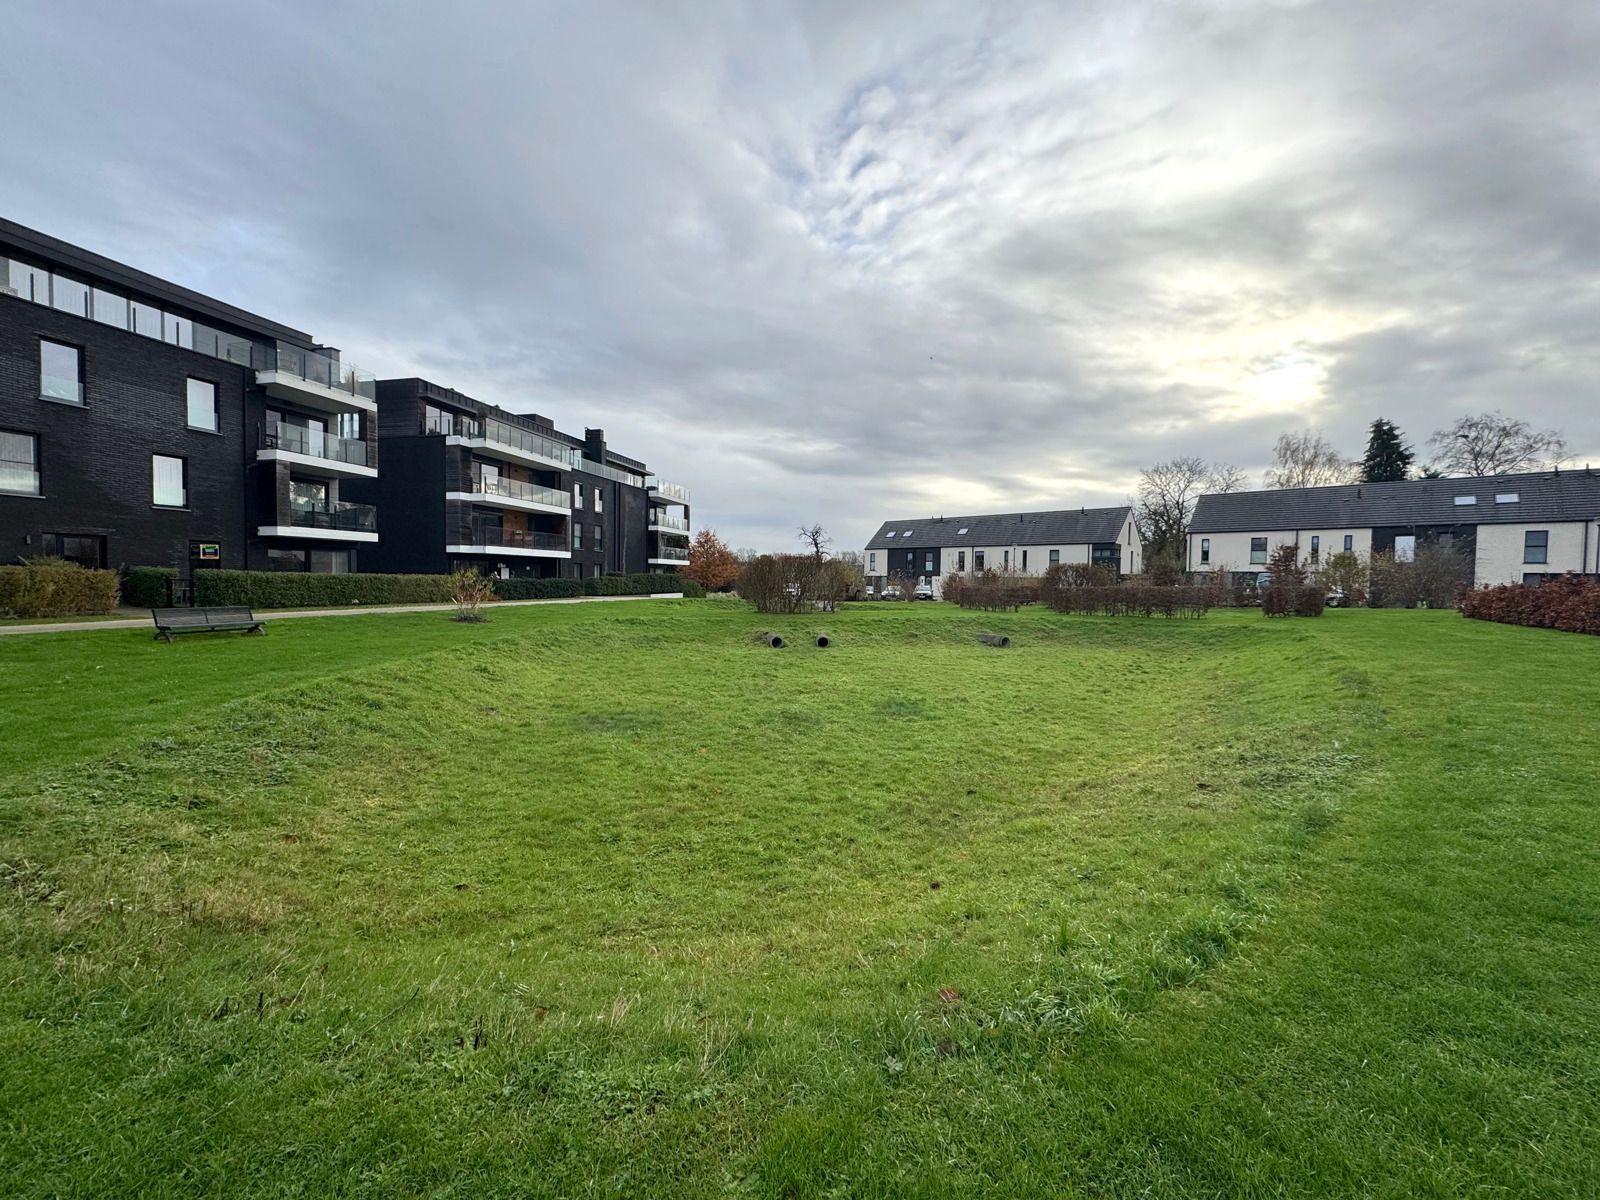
609 900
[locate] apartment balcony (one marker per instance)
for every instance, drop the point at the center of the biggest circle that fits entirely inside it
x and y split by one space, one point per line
661 522
669 556
488 537
314 380
338 522
514 494
312 452
662 492
500 440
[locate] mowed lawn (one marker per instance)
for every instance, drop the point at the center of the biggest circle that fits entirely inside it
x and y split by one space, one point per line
609 900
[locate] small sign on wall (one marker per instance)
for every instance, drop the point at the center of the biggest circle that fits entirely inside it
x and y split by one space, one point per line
205 552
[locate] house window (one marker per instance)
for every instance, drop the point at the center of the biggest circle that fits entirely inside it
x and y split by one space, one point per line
170 481
1463 501
963 529
890 534
1405 548
1258 550
1005 559
961 560
977 560
19 462
1316 547
1507 498
1349 541
60 372
1536 546
927 561
1024 560
1055 558
203 405
872 561
1205 550
577 495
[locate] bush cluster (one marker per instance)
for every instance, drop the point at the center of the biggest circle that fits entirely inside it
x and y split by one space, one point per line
1288 592
642 583
148 587
1433 578
1132 600
789 583
994 591
1570 603
39 590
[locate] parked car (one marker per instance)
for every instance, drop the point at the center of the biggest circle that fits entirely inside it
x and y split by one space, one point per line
871 592
891 591
924 592
1337 598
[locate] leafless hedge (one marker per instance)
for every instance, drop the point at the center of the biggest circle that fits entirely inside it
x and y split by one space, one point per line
790 583
1134 600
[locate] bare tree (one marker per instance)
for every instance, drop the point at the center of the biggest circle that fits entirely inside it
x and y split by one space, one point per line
1495 444
1225 477
1167 493
1305 459
817 538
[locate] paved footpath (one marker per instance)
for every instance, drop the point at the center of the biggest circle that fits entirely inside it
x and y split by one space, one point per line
352 610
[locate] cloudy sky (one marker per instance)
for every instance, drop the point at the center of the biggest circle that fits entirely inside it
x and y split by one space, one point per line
838 261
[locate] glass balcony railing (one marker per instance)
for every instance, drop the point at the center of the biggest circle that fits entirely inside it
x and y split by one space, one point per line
515 489
490 533
343 515
499 433
320 369
314 444
670 554
661 520
672 491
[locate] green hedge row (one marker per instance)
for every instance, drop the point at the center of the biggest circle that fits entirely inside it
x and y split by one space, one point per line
41 591
271 589
294 589
146 587
537 589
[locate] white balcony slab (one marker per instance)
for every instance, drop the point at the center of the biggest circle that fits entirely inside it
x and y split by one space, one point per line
320 535
331 468
295 390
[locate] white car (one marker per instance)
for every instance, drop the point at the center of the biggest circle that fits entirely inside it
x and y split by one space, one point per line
924 592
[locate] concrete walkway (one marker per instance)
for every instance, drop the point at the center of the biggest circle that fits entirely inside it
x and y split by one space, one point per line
352 610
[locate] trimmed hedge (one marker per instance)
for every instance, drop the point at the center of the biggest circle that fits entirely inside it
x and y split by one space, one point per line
642 584
49 591
296 589
1571 604
537 589
146 587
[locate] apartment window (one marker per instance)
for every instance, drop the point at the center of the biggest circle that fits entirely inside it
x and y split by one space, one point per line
330 562
286 560
961 560
170 480
87 550
1258 550
599 500
19 463
308 495
1055 558
872 561
60 372
577 570
577 536
203 405
577 495
1349 541
1316 547
977 560
1536 546
1205 550
349 426
599 537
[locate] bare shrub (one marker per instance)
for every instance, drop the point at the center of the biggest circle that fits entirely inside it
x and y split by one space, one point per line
469 592
1433 578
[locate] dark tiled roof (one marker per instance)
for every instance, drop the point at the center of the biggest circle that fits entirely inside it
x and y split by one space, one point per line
1066 527
1542 496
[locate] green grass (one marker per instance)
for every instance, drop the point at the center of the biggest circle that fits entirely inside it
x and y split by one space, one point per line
610 900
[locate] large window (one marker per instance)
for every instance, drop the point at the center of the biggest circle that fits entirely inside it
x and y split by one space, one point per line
19 463
1536 546
308 495
60 372
203 405
1258 550
170 480
1405 547
87 550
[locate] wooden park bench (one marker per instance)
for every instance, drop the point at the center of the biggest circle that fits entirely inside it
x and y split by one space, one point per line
170 621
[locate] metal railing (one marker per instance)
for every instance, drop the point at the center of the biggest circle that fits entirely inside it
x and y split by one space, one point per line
515 489
671 554
488 533
321 369
523 440
661 520
343 515
314 443
672 491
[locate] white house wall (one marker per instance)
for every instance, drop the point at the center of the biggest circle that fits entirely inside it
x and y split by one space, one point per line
1500 549
1231 551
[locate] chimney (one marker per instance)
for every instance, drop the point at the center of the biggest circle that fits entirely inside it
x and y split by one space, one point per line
594 444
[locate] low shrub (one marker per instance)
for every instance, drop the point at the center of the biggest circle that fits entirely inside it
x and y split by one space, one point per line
1570 603
991 590
1432 578
469 592
294 589
148 587
525 587
1289 593
40 590
642 583
1134 600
